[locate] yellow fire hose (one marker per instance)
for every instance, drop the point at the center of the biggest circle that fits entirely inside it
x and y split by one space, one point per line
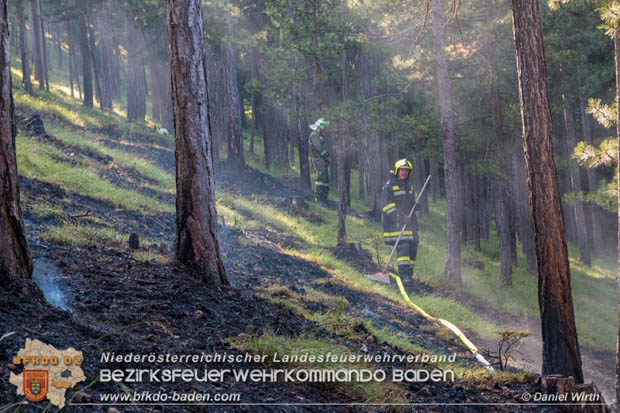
445 323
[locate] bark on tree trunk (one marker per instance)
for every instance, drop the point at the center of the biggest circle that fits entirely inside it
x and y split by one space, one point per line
292 140
197 242
44 47
475 226
315 56
59 45
15 259
104 60
344 172
71 72
136 76
233 116
560 344
37 49
86 69
463 207
95 61
453 253
23 47
266 138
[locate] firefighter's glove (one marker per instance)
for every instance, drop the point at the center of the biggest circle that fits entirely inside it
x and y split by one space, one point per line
402 219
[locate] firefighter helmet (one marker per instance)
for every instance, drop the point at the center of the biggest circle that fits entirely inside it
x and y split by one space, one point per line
402 164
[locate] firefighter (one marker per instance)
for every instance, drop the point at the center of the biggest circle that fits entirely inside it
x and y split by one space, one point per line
320 159
397 199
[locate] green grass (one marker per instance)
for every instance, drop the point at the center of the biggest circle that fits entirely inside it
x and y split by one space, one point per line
47 163
81 235
595 301
84 235
43 209
319 237
126 159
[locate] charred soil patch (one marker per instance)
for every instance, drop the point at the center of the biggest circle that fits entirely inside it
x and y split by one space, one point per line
121 305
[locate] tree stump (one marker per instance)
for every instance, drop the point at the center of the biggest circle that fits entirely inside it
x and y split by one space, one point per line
134 241
584 398
34 125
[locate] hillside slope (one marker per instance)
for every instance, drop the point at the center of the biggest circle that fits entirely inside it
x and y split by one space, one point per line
93 179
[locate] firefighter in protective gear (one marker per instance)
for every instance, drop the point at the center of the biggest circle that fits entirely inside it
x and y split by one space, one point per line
320 159
397 199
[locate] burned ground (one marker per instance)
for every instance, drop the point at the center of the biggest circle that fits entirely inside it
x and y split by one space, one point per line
120 304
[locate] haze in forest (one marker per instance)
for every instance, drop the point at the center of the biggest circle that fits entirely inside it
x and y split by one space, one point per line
434 82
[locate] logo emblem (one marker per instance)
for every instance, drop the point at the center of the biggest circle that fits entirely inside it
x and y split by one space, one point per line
35 384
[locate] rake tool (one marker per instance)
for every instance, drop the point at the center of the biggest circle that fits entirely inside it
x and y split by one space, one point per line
383 276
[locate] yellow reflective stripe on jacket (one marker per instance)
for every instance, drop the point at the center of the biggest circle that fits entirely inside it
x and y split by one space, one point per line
389 206
395 234
395 187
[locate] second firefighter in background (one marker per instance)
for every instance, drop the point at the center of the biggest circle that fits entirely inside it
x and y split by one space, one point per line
398 198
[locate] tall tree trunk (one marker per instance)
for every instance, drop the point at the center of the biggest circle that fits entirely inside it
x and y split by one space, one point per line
136 76
197 242
435 185
560 344
116 69
344 172
86 69
95 61
44 48
597 230
526 226
233 116
476 210
59 45
102 58
292 139
212 58
37 48
464 208
23 48
15 259
453 252
155 92
266 138
165 93
503 228
361 194
71 72
575 178
315 55
505 217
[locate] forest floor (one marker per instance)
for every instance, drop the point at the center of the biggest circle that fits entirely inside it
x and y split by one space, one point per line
289 293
